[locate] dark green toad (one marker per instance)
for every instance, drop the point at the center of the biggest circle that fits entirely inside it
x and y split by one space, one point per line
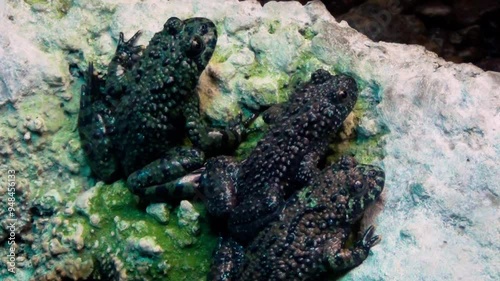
134 123
311 232
251 193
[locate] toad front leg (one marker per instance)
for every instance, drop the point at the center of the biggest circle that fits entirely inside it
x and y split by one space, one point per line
340 258
171 178
214 141
127 54
227 260
218 183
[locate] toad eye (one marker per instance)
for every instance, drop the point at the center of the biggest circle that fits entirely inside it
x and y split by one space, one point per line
357 186
203 29
196 46
342 94
372 173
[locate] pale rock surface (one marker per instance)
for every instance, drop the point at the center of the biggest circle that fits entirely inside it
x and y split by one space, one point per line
435 123
159 211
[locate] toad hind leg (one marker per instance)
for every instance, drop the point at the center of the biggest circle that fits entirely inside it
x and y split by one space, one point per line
94 127
172 177
212 140
218 184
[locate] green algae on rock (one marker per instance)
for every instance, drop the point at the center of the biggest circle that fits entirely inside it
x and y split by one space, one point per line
135 245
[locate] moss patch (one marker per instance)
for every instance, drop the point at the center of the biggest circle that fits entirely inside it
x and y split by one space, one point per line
304 66
308 33
273 26
120 220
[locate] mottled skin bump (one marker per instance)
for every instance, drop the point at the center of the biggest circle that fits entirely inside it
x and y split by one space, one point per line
251 193
312 230
227 260
135 122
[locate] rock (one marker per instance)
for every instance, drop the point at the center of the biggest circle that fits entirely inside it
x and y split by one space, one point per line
36 125
187 230
94 220
48 204
83 201
31 66
112 268
188 217
121 225
77 240
57 248
145 246
159 211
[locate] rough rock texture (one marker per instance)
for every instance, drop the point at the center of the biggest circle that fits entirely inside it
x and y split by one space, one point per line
432 125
